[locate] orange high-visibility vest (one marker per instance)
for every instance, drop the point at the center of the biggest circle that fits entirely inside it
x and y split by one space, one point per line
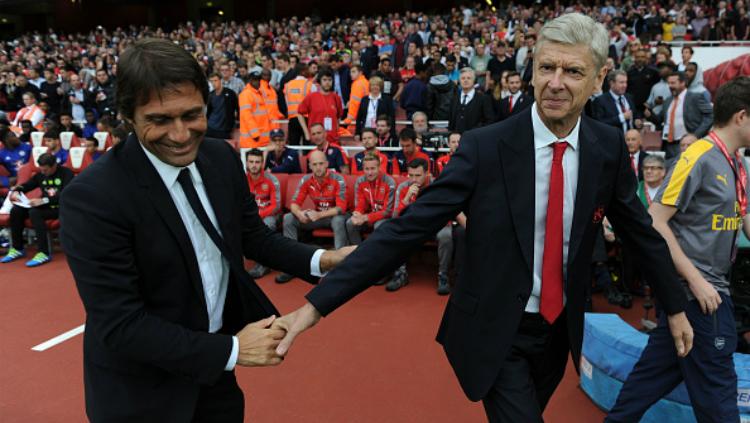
28 113
360 89
255 123
272 103
294 92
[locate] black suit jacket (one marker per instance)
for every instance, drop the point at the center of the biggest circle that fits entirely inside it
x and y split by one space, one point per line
146 348
478 112
385 107
605 110
522 103
491 179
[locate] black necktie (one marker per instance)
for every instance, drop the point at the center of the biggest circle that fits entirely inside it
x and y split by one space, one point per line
463 101
195 203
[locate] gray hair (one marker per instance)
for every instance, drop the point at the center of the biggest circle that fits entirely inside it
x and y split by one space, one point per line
467 69
653 158
577 29
418 113
613 74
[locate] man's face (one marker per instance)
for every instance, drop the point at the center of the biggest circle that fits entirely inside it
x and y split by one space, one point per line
326 83
369 141
66 120
21 81
48 170
686 55
28 99
653 173
75 81
215 82
420 123
690 72
466 80
385 66
664 71
675 85
453 142
12 141
514 84
318 164
633 141
416 176
408 146
619 85
382 127
317 135
254 164
90 146
564 78
255 82
49 76
640 58
354 72
265 75
371 169
51 143
172 127
686 141
101 77
226 72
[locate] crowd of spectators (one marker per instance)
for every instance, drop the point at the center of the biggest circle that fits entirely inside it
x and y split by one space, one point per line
298 81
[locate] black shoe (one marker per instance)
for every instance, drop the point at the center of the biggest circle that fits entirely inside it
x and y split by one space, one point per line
400 279
381 281
443 287
283 278
258 271
626 300
614 296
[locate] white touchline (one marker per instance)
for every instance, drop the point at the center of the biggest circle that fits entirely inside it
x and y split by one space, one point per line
59 339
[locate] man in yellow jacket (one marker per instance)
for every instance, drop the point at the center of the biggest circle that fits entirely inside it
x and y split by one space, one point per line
271 98
255 119
360 89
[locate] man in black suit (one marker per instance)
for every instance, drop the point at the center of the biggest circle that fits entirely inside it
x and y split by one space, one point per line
517 101
634 141
469 108
155 233
616 107
535 189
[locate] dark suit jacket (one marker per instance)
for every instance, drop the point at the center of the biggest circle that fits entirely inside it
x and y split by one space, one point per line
385 107
478 112
641 158
147 349
522 103
491 179
87 103
605 110
698 114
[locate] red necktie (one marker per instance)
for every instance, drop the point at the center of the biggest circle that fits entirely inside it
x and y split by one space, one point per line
632 164
551 301
510 104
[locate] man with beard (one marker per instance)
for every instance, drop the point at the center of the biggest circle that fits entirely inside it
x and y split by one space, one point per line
370 142
641 77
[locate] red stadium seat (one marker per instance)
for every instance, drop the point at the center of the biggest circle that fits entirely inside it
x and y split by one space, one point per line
78 159
69 140
104 140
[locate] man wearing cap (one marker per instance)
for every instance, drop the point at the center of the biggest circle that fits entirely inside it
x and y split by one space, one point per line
255 121
282 159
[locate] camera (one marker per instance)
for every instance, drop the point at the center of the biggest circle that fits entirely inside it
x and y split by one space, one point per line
435 140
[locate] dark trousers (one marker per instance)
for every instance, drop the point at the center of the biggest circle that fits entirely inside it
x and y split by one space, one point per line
708 371
532 370
38 215
296 134
670 149
221 403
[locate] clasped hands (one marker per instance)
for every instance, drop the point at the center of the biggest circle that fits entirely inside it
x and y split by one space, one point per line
267 341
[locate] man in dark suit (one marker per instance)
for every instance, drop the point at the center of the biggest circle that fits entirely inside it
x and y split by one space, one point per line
616 107
517 101
535 189
469 108
690 114
155 233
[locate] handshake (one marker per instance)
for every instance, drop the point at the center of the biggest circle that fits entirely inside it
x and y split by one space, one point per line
266 342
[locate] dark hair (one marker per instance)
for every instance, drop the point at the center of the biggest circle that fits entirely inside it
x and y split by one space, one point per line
317 124
325 72
214 75
419 163
407 134
688 48
454 133
151 66
680 75
512 73
695 65
357 67
732 97
438 69
255 152
121 131
385 118
46 159
370 130
53 133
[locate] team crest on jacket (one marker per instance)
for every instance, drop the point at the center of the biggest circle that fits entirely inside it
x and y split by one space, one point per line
598 214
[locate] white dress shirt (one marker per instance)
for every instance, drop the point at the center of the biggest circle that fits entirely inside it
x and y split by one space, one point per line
467 97
213 267
543 139
679 119
620 111
513 98
634 160
372 111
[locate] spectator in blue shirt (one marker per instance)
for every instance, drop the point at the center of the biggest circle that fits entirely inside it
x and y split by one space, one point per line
90 127
13 155
412 99
282 159
52 142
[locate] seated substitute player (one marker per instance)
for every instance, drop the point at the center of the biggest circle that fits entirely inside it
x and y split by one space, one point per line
13 155
699 211
51 179
51 140
370 142
327 190
406 193
267 191
335 155
373 202
453 139
408 153
282 159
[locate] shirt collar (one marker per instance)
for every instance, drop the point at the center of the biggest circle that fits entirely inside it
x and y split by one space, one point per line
543 137
615 96
169 173
469 94
375 98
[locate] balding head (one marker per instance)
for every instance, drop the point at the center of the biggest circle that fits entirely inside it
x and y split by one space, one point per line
633 140
318 163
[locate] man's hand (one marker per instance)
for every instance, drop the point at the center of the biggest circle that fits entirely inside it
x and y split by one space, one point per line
411 193
706 294
682 333
313 215
258 343
295 323
331 258
302 217
627 114
35 202
359 219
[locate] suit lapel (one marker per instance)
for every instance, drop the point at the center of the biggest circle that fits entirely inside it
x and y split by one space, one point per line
150 181
589 169
516 153
217 190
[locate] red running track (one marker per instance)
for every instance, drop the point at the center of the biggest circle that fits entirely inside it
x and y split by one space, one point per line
374 360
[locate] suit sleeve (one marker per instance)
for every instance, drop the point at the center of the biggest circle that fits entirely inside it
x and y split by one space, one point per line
386 248
488 115
707 115
99 250
600 113
633 224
